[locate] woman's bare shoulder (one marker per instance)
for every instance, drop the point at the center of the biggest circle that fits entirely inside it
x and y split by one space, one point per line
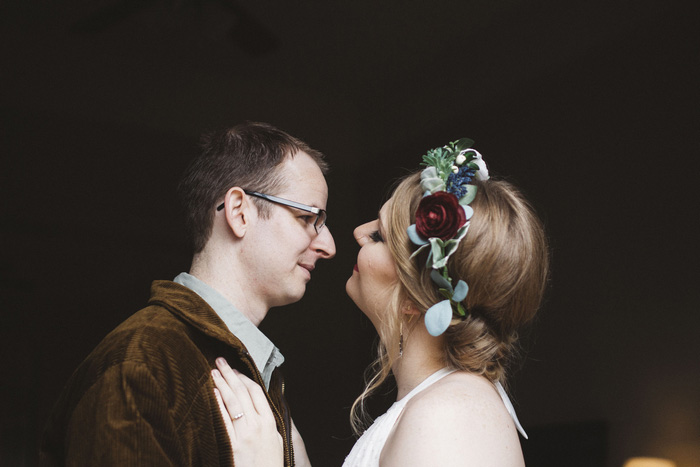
459 420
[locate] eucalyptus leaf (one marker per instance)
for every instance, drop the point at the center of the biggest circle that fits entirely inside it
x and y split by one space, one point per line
450 247
438 317
441 263
415 253
413 235
468 211
460 292
462 232
461 310
440 280
469 196
463 143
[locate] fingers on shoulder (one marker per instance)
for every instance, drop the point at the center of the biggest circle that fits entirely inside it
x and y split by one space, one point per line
253 388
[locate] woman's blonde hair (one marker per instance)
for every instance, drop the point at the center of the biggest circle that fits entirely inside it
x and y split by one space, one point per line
504 259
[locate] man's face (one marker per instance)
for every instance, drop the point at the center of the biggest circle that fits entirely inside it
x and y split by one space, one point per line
284 248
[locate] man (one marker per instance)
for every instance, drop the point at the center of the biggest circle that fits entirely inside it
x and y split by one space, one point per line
255 204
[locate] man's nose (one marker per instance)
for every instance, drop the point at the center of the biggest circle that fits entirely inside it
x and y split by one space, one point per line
324 244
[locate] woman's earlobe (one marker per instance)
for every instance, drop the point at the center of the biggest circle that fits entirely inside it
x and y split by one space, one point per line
409 308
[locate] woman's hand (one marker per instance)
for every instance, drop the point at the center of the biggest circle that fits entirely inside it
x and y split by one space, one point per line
248 418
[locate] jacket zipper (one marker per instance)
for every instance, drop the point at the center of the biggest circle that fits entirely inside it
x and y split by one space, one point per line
288 455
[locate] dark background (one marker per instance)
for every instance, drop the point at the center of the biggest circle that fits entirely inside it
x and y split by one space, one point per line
590 107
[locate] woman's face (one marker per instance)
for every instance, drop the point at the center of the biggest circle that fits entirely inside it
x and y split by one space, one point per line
374 277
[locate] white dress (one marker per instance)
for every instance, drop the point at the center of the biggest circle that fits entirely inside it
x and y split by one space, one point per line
369 447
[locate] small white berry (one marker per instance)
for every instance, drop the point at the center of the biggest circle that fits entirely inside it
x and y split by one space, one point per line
460 159
455 169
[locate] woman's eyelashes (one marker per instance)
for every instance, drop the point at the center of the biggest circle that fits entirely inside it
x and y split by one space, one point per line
376 236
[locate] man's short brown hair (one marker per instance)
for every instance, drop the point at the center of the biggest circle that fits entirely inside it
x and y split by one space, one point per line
248 156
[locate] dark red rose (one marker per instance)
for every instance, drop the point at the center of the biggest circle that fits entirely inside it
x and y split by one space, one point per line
439 215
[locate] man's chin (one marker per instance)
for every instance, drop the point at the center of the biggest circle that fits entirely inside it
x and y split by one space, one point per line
292 297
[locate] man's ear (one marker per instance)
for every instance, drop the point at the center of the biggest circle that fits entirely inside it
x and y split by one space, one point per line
239 211
409 308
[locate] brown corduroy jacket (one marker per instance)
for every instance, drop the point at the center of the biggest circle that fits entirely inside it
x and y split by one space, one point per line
145 395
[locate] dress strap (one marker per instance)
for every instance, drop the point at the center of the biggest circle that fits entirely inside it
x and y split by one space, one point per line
437 376
441 373
509 407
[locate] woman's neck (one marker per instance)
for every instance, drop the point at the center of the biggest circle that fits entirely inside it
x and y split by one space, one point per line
422 356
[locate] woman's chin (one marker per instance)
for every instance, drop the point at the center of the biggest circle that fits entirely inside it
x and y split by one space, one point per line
349 290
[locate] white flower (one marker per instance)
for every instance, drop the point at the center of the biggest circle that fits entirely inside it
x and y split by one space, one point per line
430 181
483 172
460 159
455 169
428 172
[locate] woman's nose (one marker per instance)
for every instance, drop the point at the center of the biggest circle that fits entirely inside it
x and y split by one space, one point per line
360 233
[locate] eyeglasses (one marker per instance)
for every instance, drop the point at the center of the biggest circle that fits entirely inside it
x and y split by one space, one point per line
321 214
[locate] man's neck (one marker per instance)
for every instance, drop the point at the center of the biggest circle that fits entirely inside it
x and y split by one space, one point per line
224 280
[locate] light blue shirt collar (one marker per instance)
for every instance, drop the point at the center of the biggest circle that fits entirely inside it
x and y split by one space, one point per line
266 356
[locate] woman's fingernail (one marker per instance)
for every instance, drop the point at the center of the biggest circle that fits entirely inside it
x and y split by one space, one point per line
221 361
215 373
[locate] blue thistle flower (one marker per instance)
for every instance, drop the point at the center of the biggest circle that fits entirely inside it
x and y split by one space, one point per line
456 181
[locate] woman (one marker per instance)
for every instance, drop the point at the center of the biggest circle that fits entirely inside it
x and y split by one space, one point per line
454 265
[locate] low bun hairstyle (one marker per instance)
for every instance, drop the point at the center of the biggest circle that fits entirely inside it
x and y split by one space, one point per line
504 259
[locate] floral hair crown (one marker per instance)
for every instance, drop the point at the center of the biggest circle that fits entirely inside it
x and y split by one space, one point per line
442 221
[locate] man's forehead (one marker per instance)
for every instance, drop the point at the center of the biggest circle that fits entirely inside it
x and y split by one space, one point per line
302 178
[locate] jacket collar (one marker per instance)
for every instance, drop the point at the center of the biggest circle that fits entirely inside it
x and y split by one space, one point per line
190 307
